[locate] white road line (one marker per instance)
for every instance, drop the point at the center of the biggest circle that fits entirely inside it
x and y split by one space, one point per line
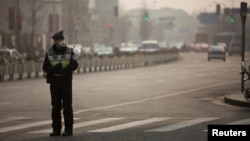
26 125
214 73
200 75
13 119
160 81
155 98
82 124
181 125
100 89
182 78
134 84
4 103
129 125
240 122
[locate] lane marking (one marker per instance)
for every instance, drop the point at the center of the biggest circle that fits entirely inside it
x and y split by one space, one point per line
214 73
82 124
182 78
4 103
200 75
100 89
155 98
129 125
13 119
26 125
241 122
160 81
180 125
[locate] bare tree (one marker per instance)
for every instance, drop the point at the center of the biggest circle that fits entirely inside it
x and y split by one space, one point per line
34 7
33 17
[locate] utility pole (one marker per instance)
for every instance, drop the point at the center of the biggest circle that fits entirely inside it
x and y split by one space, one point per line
16 12
243 14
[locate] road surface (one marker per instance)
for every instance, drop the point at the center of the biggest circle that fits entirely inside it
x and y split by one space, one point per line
174 102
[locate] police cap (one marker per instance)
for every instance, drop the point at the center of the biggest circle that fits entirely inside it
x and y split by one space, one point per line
58 35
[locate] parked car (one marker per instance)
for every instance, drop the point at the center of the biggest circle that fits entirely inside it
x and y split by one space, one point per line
128 49
87 52
217 52
10 55
77 49
234 48
102 51
150 46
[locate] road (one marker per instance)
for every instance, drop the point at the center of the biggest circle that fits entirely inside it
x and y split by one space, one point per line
174 101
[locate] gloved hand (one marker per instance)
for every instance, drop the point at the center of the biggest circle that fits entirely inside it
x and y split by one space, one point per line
66 69
58 67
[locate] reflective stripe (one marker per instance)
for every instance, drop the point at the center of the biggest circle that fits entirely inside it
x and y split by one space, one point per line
65 63
59 57
55 59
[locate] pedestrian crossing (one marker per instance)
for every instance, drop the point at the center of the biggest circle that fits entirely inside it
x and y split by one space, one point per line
180 125
129 125
115 124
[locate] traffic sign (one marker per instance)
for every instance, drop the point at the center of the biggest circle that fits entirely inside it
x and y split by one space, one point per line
237 11
208 18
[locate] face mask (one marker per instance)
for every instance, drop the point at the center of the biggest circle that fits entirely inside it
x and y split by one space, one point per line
62 44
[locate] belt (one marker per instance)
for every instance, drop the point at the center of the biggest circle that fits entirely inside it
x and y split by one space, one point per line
58 75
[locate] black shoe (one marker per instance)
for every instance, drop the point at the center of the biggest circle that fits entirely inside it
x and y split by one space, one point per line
66 134
54 134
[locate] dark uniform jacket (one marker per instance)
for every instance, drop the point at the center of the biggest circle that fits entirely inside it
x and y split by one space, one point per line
66 72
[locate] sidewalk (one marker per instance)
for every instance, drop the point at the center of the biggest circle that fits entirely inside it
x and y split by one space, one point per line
237 99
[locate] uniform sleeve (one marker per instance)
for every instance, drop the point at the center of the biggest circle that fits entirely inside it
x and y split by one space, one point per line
46 65
74 61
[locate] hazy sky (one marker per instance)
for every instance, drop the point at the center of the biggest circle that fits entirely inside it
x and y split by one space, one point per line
190 6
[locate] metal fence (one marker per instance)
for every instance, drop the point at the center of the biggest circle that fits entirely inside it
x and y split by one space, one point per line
29 70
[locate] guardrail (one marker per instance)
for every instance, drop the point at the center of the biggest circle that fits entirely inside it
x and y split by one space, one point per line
29 70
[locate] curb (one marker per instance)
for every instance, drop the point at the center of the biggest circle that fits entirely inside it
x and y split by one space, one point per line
229 99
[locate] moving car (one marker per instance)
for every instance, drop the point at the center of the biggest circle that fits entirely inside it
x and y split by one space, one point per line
10 55
217 52
149 46
234 48
102 50
128 49
224 45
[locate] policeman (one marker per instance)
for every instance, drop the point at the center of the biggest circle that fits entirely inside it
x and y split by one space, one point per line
59 63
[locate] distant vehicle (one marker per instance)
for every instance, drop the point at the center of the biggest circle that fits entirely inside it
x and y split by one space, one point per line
217 52
201 47
201 38
149 46
226 37
181 46
223 44
234 48
87 52
177 45
10 55
105 51
77 49
128 49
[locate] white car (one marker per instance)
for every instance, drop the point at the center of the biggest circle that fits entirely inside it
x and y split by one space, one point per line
105 51
150 46
128 49
217 52
77 49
